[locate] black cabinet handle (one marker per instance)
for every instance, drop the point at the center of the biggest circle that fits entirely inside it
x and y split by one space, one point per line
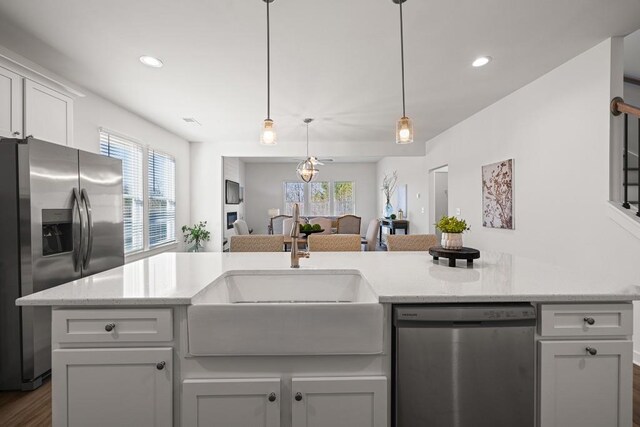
272 397
592 351
109 327
590 320
298 397
160 365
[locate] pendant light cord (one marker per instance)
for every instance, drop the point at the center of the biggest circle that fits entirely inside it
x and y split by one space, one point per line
307 140
268 66
404 114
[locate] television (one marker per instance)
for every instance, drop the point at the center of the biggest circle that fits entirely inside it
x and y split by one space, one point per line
232 192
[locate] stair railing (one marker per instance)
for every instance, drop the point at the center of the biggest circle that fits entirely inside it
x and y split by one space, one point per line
618 106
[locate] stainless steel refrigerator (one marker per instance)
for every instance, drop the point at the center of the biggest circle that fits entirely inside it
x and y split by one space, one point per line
60 220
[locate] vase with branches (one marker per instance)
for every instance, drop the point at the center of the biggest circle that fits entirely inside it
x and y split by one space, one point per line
196 235
389 184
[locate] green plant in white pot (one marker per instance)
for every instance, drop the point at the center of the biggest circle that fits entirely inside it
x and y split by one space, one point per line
198 234
452 229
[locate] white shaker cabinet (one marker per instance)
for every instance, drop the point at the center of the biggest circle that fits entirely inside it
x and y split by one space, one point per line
585 383
48 114
112 387
231 402
10 104
339 402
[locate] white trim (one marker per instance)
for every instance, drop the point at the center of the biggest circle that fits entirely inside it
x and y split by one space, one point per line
121 135
636 358
31 70
626 218
135 256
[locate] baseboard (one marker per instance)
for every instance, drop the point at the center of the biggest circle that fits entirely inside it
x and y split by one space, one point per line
636 358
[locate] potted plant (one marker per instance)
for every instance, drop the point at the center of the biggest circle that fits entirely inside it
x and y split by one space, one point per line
452 229
198 234
389 184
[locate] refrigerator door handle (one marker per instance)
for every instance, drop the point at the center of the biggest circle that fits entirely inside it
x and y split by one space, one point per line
89 226
78 230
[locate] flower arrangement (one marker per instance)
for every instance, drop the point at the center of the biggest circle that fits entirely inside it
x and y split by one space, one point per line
198 234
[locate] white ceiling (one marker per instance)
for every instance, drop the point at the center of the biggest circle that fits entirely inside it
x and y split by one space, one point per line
334 60
632 55
326 160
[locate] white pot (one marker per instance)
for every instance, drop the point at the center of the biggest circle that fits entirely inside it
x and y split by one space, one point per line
451 240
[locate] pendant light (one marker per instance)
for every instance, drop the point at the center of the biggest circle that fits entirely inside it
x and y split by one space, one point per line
268 131
404 126
307 169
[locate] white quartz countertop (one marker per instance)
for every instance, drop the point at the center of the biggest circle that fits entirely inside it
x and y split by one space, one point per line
396 277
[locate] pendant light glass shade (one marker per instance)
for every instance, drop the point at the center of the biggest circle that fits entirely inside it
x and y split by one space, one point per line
268 133
404 131
307 170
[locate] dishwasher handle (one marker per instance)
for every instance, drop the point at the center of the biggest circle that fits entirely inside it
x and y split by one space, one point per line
465 314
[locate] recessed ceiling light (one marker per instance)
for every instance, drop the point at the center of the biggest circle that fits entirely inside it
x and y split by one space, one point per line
151 61
481 61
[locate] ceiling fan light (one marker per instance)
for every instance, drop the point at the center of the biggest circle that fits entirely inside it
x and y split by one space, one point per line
404 131
268 133
306 170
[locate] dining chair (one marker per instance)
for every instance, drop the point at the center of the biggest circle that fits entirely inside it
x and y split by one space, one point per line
334 243
275 224
325 223
349 224
257 243
370 240
411 242
286 226
240 227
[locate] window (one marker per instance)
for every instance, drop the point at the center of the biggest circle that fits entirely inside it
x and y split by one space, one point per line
149 204
131 155
293 193
344 198
161 173
322 198
319 200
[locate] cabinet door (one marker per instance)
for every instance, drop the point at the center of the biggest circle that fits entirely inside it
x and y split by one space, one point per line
112 387
580 389
48 115
231 403
10 104
339 402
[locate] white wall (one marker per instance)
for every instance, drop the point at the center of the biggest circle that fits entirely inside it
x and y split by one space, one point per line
90 112
557 129
412 172
234 170
264 188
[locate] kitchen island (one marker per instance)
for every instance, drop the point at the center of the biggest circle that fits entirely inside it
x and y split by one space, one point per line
156 343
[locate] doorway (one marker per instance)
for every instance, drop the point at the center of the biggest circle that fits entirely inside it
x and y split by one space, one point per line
440 195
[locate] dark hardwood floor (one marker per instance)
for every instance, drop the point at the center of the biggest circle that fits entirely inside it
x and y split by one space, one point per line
33 408
26 408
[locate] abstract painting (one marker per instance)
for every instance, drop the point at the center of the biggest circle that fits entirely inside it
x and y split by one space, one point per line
497 195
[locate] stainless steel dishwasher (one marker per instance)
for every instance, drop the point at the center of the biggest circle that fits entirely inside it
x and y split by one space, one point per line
464 365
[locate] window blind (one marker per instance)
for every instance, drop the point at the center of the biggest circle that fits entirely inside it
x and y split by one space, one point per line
319 201
132 184
344 198
162 198
293 193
